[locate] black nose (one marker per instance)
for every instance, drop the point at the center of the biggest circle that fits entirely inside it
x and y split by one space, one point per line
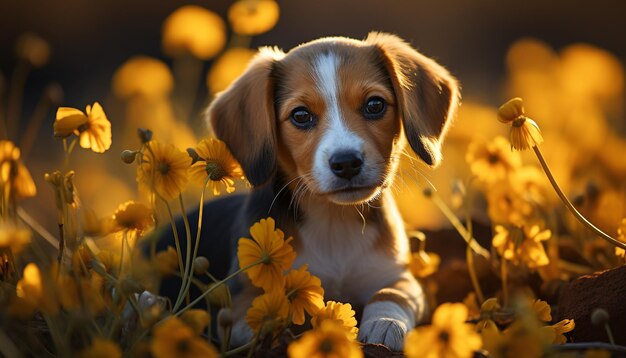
346 164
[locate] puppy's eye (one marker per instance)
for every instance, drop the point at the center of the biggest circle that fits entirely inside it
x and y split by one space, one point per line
374 108
302 118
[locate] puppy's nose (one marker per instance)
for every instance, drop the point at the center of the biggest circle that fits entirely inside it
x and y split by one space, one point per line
346 164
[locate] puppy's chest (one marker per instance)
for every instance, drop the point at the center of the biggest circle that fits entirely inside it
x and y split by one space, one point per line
345 257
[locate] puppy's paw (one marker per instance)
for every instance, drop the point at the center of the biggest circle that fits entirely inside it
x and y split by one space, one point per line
387 331
386 322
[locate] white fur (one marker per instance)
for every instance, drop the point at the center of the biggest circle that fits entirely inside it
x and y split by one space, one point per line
387 323
340 251
338 136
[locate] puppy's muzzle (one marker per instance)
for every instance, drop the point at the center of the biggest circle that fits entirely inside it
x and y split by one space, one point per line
346 164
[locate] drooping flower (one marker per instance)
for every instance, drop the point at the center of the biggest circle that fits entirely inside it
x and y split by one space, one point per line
525 132
134 217
101 348
305 293
329 339
542 310
269 311
15 179
193 30
35 291
173 338
170 167
267 244
93 128
253 17
216 162
522 245
143 76
492 161
338 312
448 336
227 68
563 326
166 262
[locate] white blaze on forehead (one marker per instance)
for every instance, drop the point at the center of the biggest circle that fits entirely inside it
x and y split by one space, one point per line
338 137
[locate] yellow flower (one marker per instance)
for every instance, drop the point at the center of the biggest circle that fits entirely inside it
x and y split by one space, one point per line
268 245
564 326
542 310
305 293
326 340
341 313
15 179
93 129
522 244
197 319
173 338
253 17
170 167
227 68
215 161
33 49
492 161
35 290
195 31
507 206
448 336
13 237
101 348
143 76
269 311
525 132
166 262
621 236
423 264
133 216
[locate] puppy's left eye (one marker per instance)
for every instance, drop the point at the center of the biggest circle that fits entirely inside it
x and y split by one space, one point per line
374 108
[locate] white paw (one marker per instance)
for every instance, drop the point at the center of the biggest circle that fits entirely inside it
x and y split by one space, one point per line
387 331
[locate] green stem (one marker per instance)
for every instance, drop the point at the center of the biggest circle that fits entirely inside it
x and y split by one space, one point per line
218 284
68 153
187 272
609 333
505 286
473 244
175 232
571 207
468 251
238 350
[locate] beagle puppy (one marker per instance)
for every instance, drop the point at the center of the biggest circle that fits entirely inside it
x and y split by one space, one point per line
319 131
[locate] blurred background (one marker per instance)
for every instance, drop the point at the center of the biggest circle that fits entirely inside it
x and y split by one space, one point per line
565 59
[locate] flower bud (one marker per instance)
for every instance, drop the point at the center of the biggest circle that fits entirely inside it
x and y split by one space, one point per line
128 156
54 178
225 317
54 94
33 49
200 265
194 155
599 317
145 135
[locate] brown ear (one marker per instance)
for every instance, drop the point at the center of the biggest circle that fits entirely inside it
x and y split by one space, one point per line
243 117
427 94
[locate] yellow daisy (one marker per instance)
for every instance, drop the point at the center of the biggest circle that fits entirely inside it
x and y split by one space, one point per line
492 161
448 336
339 312
305 293
215 161
193 30
93 128
270 311
170 167
327 340
267 244
525 132
133 216
173 338
253 17
15 179
522 245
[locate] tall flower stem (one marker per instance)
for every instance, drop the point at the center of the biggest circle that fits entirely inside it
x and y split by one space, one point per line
571 207
447 212
187 272
218 284
469 256
505 284
175 232
185 285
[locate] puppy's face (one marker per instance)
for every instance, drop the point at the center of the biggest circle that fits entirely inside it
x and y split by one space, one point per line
333 114
337 122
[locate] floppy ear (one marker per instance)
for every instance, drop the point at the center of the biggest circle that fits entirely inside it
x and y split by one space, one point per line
427 94
243 117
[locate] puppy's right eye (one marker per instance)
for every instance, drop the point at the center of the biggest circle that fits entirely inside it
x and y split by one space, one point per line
302 118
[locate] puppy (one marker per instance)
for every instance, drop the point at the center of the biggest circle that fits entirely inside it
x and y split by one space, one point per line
319 131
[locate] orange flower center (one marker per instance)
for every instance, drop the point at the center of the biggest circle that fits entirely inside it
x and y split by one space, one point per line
326 346
444 337
215 171
163 168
